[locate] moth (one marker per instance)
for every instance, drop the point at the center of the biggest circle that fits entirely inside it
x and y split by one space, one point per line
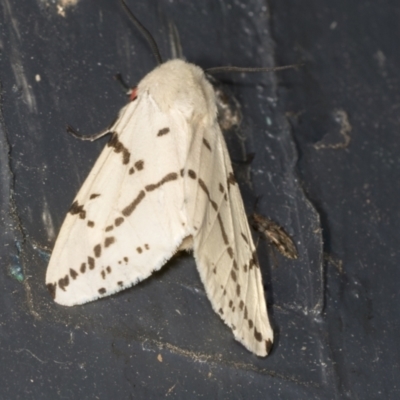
164 183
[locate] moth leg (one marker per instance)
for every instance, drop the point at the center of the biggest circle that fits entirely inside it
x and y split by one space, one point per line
247 161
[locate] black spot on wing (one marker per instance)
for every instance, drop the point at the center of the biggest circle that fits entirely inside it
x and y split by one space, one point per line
63 282
77 209
257 335
233 275
244 237
102 290
90 224
52 287
109 241
205 142
223 232
238 290
73 273
93 196
163 132
139 165
231 179
83 268
97 250
167 178
91 262
119 148
268 346
127 211
118 221
207 192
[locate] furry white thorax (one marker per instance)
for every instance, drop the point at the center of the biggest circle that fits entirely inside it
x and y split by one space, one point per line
177 84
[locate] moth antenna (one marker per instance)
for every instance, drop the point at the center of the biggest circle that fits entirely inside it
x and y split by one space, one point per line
90 138
118 77
146 34
216 70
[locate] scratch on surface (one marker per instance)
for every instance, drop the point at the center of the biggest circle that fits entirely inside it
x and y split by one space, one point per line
62 5
170 390
33 355
217 360
48 221
341 117
29 299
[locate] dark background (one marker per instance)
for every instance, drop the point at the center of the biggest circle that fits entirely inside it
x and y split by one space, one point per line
326 146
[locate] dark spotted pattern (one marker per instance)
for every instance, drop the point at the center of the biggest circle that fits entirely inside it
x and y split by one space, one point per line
130 208
93 196
77 209
167 178
90 224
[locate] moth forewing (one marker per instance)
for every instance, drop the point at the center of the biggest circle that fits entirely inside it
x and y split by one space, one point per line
163 183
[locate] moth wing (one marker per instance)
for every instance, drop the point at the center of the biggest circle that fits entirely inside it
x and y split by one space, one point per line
128 218
223 245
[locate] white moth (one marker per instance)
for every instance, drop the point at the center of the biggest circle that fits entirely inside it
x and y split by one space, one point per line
164 183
